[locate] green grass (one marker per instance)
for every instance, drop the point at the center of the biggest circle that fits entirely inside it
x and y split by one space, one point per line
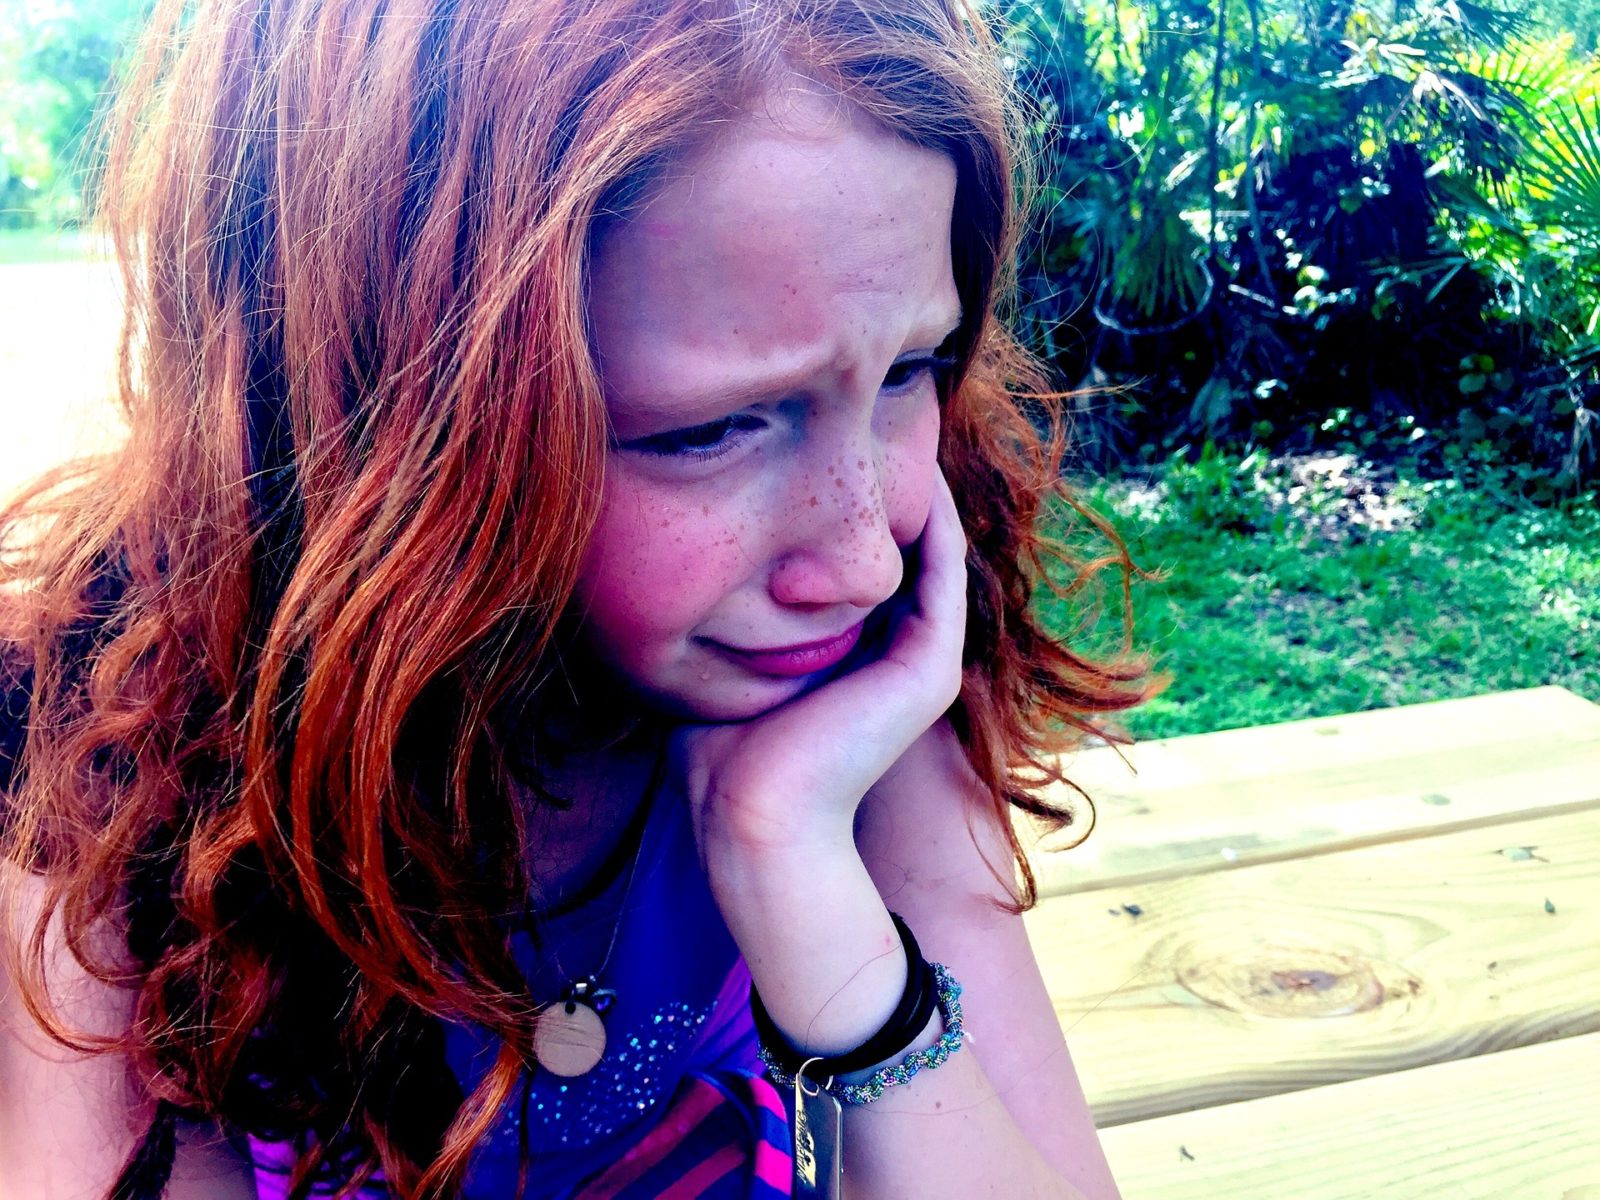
1274 610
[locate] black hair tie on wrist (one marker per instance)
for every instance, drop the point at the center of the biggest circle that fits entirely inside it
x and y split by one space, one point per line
910 1017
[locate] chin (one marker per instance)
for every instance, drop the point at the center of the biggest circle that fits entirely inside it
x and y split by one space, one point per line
724 703
731 709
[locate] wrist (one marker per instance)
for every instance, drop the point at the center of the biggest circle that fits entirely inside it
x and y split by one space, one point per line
925 1040
823 952
754 835
906 1023
925 1030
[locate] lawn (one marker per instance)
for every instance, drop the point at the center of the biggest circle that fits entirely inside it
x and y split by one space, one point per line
1313 587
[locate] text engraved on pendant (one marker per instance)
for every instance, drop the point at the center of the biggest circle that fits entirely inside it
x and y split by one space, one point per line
805 1154
818 1137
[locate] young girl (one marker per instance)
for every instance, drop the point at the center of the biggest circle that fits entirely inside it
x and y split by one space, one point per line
553 660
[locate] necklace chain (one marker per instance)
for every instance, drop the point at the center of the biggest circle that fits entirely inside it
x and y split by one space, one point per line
583 989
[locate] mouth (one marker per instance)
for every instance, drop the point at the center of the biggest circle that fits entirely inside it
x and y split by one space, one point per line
790 662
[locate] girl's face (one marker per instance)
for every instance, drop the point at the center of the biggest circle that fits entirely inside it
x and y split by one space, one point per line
768 328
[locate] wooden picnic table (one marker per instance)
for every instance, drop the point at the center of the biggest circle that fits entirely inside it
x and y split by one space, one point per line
1349 957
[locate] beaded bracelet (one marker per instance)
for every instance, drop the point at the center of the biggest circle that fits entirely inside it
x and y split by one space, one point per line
949 993
904 1026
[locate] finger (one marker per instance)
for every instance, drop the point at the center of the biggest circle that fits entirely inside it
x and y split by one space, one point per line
935 587
942 588
928 640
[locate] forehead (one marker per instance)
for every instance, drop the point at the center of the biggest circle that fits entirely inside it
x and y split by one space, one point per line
788 242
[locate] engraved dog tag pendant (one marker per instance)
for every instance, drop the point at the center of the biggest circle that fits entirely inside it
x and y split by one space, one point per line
818 1141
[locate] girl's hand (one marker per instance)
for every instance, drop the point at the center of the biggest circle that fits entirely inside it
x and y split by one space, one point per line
788 783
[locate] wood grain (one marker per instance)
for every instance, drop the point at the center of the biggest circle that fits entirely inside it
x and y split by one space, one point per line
1220 801
1522 1124
1234 985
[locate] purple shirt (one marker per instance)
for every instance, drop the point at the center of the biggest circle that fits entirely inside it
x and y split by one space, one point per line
682 1008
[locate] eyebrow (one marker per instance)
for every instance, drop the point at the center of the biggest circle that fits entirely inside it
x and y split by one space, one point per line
755 388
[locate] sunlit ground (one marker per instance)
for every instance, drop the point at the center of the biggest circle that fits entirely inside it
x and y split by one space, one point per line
1307 588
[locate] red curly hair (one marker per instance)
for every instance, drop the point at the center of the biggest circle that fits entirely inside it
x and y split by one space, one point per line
277 652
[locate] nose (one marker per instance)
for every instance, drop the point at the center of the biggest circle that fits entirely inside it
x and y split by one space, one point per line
840 547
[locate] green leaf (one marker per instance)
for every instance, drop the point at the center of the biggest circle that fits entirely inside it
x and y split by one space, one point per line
1566 165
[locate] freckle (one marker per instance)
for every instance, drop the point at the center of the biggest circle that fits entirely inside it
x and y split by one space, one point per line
705 510
837 482
830 468
665 523
814 502
861 464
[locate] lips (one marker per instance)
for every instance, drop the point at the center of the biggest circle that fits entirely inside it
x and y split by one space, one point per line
788 662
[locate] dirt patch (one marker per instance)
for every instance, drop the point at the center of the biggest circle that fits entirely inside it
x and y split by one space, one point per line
1336 495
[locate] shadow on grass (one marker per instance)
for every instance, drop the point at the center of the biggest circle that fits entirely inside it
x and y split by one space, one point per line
1272 612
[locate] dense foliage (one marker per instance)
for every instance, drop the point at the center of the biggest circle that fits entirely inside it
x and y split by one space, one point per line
1289 221
56 61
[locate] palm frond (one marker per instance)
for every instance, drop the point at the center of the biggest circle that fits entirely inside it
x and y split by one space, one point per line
1565 166
1531 71
1157 279
1482 24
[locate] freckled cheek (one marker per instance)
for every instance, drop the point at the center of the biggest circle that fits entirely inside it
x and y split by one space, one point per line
654 570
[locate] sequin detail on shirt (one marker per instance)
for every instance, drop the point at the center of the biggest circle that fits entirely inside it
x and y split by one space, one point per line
641 1068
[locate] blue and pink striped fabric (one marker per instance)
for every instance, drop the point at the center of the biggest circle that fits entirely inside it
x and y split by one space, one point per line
724 1137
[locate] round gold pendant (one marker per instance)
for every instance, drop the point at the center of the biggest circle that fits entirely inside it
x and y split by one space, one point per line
569 1039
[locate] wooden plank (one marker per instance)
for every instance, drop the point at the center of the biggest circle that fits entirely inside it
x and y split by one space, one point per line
1217 801
1238 984
1517 1125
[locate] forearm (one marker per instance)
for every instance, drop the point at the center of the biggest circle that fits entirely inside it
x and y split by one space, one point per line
828 964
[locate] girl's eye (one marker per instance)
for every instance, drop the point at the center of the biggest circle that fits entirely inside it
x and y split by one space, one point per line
905 374
716 438
698 441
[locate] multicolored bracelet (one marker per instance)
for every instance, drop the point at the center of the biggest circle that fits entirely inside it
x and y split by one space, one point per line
949 1001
